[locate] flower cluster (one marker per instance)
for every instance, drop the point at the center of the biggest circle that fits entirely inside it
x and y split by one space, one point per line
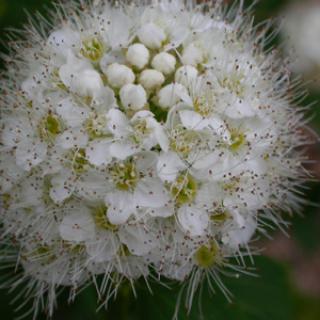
144 138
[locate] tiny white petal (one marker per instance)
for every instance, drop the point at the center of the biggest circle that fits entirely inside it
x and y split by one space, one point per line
137 239
63 40
118 123
122 149
77 226
121 206
71 113
193 220
73 137
98 152
169 165
151 193
30 154
61 187
151 36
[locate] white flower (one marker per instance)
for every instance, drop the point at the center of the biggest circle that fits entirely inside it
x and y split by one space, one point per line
133 96
164 62
134 189
138 55
79 76
139 137
119 75
151 36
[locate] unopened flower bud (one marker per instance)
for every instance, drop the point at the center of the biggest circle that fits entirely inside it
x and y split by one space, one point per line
164 62
119 75
133 96
171 95
151 79
138 55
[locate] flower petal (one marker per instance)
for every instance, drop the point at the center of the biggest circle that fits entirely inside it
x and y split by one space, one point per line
98 152
169 165
72 114
62 186
77 226
120 206
122 149
103 247
118 123
193 220
72 138
151 193
138 240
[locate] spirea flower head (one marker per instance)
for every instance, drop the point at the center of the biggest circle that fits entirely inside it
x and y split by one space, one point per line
148 139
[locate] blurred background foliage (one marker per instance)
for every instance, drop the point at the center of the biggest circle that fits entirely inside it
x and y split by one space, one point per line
288 283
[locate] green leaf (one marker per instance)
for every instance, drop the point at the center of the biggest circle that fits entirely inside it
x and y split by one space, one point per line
265 297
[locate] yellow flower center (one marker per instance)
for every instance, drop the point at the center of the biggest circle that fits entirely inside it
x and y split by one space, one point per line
204 105
207 256
79 162
49 127
219 216
237 140
124 175
96 126
92 49
101 220
184 189
141 130
183 141
234 84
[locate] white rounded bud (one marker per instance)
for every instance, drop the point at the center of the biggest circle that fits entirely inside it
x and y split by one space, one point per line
138 55
164 62
151 79
171 95
133 96
151 35
186 75
192 55
119 75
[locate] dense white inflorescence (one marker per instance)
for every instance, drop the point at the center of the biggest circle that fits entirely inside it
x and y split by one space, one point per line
143 139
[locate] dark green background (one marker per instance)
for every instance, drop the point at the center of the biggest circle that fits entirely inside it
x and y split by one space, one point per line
271 296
